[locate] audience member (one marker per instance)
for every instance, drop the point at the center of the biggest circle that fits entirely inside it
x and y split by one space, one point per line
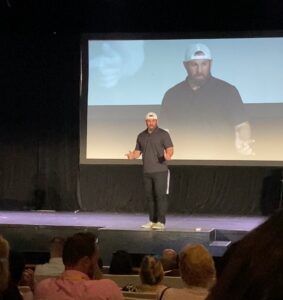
21 276
121 263
55 266
151 276
170 261
253 266
4 264
197 271
8 289
98 271
80 255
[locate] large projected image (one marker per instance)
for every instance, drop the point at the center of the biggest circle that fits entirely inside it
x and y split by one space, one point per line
220 99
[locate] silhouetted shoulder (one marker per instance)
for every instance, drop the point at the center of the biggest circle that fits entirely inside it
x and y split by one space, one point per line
177 87
221 84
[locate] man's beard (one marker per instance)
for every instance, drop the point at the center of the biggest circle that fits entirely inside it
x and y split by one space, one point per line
150 130
198 82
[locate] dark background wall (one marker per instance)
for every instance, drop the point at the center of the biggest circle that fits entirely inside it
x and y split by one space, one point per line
39 116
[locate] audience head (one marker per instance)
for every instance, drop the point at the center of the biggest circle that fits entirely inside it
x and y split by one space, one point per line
4 263
121 263
100 263
151 270
56 247
169 259
80 253
197 266
253 266
17 264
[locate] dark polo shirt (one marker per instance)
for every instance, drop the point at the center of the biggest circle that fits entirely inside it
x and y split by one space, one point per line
152 147
205 119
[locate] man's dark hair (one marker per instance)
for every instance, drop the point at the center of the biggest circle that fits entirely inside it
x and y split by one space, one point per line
78 246
16 265
121 263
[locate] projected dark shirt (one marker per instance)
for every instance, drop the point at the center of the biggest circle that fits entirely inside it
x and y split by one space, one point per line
152 147
203 118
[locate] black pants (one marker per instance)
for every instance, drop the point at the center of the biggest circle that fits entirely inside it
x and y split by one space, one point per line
156 190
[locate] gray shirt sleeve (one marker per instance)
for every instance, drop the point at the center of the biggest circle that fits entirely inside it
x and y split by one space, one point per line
138 144
167 140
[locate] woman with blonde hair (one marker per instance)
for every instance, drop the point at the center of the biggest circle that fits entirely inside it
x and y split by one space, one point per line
198 273
8 291
151 275
4 264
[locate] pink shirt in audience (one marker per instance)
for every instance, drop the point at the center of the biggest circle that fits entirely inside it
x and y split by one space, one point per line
76 285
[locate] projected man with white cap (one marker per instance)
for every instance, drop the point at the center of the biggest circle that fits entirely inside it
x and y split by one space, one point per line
204 114
156 147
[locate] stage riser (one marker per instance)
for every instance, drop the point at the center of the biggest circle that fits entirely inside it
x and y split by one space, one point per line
229 235
37 238
31 232
150 242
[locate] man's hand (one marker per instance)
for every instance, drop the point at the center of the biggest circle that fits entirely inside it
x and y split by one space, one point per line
130 155
27 278
168 153
133 154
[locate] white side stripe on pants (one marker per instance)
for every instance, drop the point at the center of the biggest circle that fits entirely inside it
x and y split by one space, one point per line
168 182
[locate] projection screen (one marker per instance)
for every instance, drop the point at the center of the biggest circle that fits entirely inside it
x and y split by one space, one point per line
123 78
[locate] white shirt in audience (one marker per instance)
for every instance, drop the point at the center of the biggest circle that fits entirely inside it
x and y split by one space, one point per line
54 267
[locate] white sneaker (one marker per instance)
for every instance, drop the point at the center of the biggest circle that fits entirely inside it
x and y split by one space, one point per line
158 226
148 225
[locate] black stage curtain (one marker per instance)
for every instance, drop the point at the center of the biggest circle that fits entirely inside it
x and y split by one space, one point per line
213 190
39 121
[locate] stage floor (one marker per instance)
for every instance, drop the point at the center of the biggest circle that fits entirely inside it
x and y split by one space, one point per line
31 231
127 221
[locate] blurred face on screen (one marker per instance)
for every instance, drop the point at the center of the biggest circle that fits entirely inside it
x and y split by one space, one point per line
151 124
198 71
117 60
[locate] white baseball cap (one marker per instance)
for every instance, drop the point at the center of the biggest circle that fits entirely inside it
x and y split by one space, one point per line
197 51
151 115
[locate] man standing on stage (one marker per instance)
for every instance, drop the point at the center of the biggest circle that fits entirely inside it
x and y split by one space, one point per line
156 148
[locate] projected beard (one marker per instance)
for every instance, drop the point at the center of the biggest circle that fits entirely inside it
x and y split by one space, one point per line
198 71
198 81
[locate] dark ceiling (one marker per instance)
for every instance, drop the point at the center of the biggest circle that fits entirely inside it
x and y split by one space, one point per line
140 15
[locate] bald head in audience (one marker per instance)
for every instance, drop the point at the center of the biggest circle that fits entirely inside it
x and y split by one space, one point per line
170 262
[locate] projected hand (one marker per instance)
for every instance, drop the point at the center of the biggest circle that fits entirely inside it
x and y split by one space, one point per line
244 147
243 141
